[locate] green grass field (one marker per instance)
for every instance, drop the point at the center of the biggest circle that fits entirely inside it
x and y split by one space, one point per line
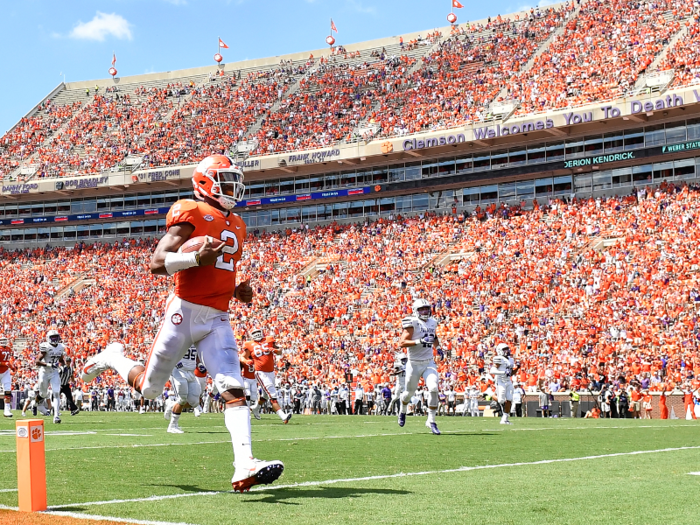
536 471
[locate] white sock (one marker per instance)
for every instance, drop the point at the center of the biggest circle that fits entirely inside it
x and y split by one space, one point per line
404 408
174 419
431 414
281 414
122 365
237 421
57 405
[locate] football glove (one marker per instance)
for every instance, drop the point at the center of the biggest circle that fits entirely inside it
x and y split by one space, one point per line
202 369
54 366
440 353
428 340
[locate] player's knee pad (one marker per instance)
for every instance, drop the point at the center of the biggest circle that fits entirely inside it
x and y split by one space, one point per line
226 382
151 392
433 399
192 400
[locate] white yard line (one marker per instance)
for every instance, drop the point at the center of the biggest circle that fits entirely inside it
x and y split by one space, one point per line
694 473
8 490
316 438
81 516
388 476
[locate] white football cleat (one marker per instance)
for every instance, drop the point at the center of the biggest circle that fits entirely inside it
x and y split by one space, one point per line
8 412
142 410
256 412
57 420
257 472
197 411
175 430
98 363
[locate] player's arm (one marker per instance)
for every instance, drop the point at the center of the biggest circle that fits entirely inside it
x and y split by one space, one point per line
495 371
246 358
41 359
406 340
166 260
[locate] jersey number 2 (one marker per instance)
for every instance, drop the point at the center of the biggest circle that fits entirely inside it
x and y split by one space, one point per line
229 266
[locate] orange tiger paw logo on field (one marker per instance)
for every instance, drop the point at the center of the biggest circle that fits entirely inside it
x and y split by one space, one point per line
387 147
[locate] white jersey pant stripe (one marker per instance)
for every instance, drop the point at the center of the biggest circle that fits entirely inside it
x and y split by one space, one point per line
251 389
504 391
6 381
266 380
427 369
49 376
209 330
186 386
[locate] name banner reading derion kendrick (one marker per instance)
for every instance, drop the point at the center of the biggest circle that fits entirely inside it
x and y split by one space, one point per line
600 159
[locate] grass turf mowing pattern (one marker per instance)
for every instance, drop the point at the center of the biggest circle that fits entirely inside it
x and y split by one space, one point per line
624 489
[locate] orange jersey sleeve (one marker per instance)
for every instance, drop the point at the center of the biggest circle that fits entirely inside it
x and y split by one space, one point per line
211 286
248 370
263 356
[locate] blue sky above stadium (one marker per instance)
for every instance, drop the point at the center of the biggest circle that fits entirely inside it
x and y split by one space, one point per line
43 40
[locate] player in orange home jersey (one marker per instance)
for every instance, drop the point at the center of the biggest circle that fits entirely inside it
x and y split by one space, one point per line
5 375
263 350
197 311
251 383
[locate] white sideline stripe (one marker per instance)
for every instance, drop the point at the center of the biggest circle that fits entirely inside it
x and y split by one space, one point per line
81 516
694 473
315 438
8 490
370 478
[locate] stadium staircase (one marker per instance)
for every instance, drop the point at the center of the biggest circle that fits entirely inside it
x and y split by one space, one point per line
559 31
19 344
640 85
81 282
420 53
257 125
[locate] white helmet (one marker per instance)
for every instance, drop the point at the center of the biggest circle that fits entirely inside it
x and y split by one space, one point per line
4 342
53 337
503 350
421 304
257 334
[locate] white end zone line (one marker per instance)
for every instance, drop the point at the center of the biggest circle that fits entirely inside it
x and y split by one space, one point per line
370 478
81 516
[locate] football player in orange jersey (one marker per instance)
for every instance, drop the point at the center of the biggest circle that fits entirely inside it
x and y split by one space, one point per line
5 376
251 383
197 311
263 350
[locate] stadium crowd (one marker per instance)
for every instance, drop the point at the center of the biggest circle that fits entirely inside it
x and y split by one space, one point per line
577 315
600 54
458 80
323 101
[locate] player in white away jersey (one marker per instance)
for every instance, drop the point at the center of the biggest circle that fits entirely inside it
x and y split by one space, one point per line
400 374
187 389
419 339
502 370
6 368
51 354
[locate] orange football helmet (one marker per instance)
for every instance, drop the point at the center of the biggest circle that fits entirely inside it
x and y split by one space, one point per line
219 178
